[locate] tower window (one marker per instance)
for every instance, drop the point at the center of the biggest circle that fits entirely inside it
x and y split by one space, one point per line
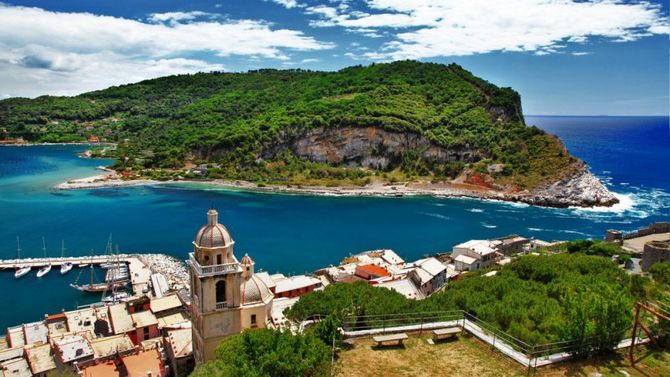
218 259
253 320
220 291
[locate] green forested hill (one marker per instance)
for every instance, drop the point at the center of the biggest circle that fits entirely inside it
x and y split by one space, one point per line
248 123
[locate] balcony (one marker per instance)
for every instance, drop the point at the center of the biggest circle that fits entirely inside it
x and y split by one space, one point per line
221 305
215 269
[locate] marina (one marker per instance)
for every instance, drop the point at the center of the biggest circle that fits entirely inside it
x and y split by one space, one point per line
133 270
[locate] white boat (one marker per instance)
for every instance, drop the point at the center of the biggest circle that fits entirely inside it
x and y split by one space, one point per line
21 270
115 297
43 270
65 267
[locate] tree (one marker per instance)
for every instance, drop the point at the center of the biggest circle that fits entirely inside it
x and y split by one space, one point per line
264 352
328 330
596 318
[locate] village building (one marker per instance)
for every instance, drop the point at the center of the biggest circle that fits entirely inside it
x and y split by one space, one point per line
56 324
295 286
473 255
510 245
16 336
73 349
226 296
108 369
40 359
429 274
145 326
144 364
112 346
15 368
179 349
404 286
120 319
371 272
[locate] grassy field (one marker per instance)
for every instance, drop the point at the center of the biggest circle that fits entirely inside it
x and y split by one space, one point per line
467 356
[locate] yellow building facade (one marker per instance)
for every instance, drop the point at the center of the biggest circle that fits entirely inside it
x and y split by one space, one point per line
226 296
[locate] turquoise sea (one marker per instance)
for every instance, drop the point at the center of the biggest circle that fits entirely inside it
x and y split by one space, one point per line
295 234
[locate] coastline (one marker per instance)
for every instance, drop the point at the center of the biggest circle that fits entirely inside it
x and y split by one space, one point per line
32 144
377 189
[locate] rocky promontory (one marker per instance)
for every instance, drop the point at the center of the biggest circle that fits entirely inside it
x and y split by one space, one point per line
578 188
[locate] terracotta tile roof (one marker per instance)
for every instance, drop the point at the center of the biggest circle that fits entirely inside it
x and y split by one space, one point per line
373 270
143 363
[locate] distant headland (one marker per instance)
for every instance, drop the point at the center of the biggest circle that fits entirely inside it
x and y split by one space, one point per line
404 128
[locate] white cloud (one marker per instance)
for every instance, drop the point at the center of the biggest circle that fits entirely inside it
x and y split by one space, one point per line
288 3
179 16
55 52
430 28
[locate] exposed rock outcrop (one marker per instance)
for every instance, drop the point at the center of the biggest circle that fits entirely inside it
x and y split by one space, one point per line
577 188
380 149
372 147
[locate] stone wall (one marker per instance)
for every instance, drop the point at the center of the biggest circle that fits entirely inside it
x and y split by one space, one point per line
660 227
655 251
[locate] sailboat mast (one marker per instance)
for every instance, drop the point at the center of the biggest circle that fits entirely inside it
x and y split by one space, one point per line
62 248
18 248
44 247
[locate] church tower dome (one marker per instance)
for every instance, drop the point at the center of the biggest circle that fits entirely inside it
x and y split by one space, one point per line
247 265
213 235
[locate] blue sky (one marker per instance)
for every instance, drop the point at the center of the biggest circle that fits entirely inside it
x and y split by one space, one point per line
592 57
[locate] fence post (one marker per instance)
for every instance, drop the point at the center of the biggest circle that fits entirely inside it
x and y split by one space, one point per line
421 325
493 345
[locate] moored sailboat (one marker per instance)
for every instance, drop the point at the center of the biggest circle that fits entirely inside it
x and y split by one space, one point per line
67 266
44 269
109 284
20 270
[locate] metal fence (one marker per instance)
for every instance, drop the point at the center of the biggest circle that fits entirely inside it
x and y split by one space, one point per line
360 325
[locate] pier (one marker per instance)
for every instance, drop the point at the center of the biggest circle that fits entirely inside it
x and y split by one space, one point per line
76 261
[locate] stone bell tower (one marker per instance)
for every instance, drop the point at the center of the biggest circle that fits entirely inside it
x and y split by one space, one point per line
216 276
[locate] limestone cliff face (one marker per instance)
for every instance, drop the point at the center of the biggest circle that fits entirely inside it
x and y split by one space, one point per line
372 147
376 148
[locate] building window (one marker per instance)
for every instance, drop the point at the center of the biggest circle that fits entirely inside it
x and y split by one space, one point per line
220 291
218 259
206 259
253 320
146 333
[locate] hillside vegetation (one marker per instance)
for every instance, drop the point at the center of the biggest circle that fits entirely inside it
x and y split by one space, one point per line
249 124
539 299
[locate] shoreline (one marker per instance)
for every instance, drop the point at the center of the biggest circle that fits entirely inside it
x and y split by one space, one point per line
436 190
31 144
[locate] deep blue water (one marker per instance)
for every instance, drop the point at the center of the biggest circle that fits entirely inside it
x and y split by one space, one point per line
294 234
